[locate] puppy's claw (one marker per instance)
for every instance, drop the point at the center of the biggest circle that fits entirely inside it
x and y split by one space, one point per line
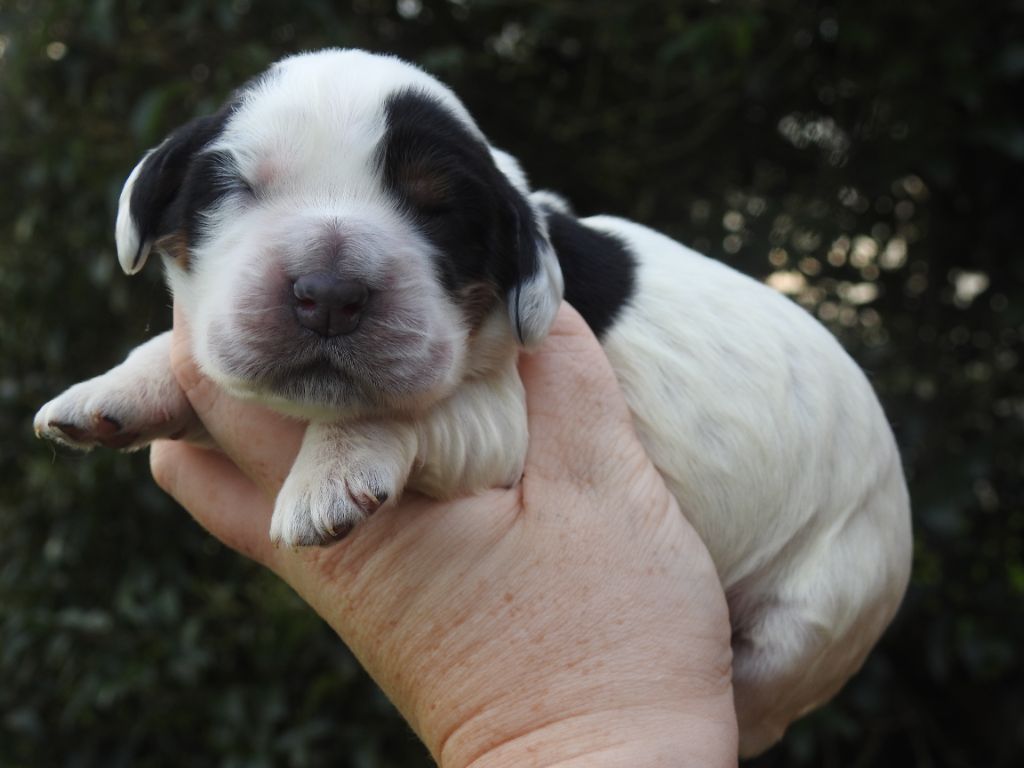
367 500
336 534
105 425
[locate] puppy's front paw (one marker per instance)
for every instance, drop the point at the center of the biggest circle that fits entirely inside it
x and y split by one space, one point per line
320 504
115 412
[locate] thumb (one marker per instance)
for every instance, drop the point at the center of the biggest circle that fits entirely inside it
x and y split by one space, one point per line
576 408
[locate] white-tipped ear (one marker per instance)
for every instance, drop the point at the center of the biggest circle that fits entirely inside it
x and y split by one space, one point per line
145 211
132 250
510 167
534 300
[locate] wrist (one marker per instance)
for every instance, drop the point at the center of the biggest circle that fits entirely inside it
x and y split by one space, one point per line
649 737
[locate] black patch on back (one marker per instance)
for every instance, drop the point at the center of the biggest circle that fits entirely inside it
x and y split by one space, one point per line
446 179
599 270
175 186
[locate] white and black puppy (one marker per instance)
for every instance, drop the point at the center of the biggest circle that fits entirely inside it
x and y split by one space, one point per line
349 249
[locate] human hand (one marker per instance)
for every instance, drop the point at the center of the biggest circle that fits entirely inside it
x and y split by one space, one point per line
575 619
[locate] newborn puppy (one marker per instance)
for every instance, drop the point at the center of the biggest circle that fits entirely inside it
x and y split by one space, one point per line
349 249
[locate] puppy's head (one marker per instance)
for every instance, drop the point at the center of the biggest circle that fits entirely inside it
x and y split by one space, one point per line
342 237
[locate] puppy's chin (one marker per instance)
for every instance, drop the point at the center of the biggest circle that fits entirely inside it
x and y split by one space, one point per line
324 400
320 389
305 398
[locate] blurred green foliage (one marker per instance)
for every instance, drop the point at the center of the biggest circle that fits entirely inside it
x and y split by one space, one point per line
864 157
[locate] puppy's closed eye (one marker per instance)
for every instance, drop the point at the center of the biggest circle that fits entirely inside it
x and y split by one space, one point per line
244 186
427 186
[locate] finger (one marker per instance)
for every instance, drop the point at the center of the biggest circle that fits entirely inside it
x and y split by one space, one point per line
573 398
261 442
217 494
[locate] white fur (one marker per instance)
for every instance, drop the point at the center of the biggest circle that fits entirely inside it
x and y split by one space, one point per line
343 472
766 432
474 439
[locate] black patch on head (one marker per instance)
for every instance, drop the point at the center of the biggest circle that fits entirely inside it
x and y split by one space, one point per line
598 269
177 183
444 176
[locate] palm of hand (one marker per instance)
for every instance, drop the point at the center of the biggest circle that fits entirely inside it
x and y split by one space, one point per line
578 598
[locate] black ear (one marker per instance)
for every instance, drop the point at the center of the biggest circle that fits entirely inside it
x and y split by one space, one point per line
146 209
536 291
473 202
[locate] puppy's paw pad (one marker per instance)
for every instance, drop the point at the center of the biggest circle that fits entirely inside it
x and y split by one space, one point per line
67 430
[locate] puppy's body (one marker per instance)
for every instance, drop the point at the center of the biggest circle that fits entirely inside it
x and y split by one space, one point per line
772 441
349 249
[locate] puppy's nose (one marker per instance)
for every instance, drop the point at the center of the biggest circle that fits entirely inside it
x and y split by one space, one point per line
329 305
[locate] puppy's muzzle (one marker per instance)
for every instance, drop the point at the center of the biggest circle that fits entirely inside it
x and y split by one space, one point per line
329 305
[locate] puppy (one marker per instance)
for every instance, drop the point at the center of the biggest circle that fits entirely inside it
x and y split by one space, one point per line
350 250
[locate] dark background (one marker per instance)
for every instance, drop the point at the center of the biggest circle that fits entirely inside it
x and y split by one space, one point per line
866 157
